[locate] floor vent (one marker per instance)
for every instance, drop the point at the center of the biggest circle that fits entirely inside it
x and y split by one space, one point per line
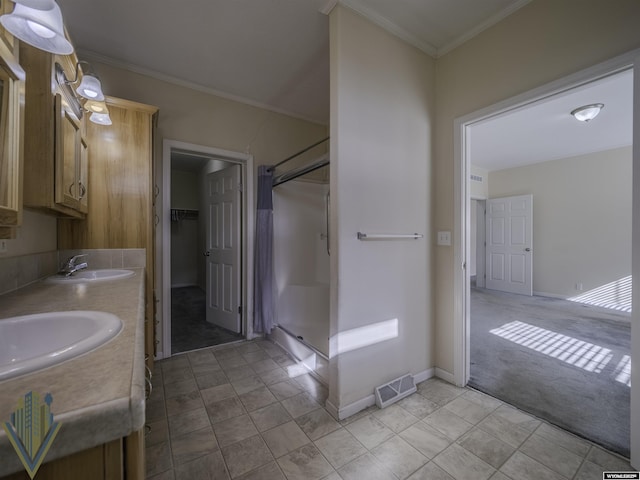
394 390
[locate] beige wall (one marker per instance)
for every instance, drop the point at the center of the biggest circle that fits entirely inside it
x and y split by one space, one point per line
581 218
38 233
541 42
382 110
197 117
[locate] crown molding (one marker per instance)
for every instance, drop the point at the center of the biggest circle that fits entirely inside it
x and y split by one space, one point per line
328 6
490 22
359 7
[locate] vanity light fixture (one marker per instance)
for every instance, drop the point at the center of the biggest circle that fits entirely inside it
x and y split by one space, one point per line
96 106
38 23
89 89
587 112
100 118
90 86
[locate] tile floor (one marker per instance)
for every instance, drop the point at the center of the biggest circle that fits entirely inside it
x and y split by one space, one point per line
248 411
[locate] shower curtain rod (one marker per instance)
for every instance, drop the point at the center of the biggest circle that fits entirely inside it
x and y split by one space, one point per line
298 172
273 167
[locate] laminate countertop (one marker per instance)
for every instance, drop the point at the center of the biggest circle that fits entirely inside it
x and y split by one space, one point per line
98 396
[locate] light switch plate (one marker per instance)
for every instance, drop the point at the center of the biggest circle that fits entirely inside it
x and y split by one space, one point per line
444 238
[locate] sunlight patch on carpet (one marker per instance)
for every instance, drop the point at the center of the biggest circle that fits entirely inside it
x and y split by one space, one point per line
585 355
623 371
615 295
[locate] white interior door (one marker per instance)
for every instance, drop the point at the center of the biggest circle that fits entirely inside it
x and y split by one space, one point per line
509 224
223 248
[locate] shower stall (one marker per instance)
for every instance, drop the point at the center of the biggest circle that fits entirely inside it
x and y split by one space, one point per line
301 263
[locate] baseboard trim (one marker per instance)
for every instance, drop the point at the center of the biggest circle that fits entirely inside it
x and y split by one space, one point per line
446 376
424 375
369 400
332 409
552 295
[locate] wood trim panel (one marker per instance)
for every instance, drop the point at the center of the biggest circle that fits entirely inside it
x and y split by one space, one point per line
134 456
94 463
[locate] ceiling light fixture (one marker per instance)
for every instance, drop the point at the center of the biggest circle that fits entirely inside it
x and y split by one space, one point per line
38 23
587 112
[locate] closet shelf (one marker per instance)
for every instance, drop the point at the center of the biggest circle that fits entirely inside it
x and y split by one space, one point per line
178 214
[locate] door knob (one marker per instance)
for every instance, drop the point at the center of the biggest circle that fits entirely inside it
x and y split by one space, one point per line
207 253
527 249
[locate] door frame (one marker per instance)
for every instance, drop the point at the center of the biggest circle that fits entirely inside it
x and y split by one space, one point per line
163 236
462 170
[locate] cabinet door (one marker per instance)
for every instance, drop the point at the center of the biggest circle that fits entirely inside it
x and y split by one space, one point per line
10 158
67 188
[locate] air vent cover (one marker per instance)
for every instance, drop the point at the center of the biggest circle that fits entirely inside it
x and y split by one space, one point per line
394 390
476 178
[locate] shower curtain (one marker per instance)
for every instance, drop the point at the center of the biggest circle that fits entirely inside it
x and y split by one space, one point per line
263 283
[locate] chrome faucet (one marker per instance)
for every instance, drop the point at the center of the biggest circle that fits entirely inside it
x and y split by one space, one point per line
70 266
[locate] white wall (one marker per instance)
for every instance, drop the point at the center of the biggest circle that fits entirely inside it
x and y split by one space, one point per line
185 253
581 218
479 190
382 108
543 41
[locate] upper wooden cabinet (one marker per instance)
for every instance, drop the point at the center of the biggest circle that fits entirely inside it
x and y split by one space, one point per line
11 88
55 153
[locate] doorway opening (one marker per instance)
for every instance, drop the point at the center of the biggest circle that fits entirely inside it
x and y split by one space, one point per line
466 288
207 221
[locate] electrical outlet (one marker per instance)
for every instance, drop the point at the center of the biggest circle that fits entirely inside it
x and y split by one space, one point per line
579 286
3 246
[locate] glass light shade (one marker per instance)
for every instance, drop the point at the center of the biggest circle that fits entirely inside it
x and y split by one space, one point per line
587 112
37 4
100 118
90 88
40 28
96 106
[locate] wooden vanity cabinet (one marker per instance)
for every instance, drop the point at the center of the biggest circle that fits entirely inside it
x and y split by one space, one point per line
120 212
121 459
11 170
55 152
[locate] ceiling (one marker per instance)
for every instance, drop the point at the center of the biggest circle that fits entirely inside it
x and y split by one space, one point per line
272 53
275 54
546 130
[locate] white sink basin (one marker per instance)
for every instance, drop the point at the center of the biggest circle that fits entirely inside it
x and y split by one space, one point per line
32 342
92 276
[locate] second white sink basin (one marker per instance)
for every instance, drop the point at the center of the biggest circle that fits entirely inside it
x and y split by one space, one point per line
32 342
92 276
